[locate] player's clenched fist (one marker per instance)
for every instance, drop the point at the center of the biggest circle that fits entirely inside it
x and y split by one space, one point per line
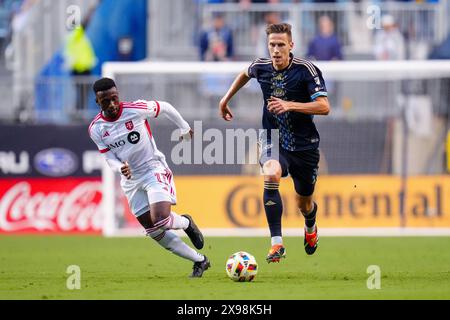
277 106
225 111
187 136
126 171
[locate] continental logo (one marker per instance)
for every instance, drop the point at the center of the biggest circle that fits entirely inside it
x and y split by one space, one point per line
245 209
344 201
383 204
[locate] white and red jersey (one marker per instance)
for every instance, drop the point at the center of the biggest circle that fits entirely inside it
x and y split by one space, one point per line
129 136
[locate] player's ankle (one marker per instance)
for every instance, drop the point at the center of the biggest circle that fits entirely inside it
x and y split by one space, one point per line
310 229
277 240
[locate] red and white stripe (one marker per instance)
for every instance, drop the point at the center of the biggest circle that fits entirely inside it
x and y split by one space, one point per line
158 110
169 176
142 106
165 224
93 122
149 129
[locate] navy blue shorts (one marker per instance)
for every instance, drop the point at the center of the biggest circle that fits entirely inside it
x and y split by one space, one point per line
302 166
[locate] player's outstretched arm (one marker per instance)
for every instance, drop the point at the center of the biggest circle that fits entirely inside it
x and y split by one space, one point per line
240 81
173 115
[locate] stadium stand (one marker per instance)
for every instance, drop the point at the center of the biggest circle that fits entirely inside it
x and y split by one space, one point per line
44 92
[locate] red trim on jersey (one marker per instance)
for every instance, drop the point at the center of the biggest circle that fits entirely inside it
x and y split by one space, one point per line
105 150
141 108
135 104
93 122
118 115
158 110
147 125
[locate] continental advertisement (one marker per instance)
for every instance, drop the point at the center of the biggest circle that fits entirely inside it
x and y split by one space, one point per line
344 201
73 205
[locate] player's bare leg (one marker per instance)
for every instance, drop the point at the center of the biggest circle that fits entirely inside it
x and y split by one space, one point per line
158 223
309 210
273 206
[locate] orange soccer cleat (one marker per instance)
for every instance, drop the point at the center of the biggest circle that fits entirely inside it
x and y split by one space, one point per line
311 242
276 253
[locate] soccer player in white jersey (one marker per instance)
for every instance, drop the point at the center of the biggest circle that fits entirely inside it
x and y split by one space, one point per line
123 135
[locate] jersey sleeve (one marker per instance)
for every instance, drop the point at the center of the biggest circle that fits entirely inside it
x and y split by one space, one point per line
148 109
173 115
315 83
252 70
95 136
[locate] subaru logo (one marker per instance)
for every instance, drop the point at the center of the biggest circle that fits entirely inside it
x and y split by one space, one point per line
56 162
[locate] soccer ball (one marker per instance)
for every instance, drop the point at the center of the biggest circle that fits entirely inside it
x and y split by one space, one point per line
242 267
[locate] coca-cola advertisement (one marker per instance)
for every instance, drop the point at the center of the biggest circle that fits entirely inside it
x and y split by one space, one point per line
70 205
50 180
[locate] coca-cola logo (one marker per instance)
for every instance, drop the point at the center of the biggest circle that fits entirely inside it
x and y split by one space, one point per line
76 210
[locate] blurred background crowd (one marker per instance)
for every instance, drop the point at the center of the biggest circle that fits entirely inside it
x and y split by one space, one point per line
50 51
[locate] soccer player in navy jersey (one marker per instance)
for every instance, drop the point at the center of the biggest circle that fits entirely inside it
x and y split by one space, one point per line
294 92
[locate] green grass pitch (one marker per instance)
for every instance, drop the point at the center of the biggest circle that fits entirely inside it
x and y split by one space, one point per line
34 267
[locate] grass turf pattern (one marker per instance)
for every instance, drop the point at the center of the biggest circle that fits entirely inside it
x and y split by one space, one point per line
34 267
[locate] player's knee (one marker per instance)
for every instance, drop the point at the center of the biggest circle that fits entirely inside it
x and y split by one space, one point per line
163 223
145 220
272 171
160 214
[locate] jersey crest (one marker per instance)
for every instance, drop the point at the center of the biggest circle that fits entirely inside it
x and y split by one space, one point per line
129 125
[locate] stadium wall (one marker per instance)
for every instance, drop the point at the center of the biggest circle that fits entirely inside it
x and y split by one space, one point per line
345 201
50 182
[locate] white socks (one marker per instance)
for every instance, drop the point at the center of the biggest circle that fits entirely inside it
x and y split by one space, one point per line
174 244
179 222
310 230
172 222
170 241
277 240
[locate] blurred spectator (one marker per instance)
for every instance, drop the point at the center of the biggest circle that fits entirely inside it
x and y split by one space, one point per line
216 44
272 17
246 3
325 46
20 14
80 59
261 44
442 52
389 43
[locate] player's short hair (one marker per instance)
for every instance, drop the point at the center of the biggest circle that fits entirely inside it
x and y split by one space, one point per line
103 84
280 28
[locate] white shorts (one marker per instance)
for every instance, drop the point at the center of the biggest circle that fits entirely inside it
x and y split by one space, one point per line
155 186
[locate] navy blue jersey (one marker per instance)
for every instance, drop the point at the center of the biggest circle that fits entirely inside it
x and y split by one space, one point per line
301 81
